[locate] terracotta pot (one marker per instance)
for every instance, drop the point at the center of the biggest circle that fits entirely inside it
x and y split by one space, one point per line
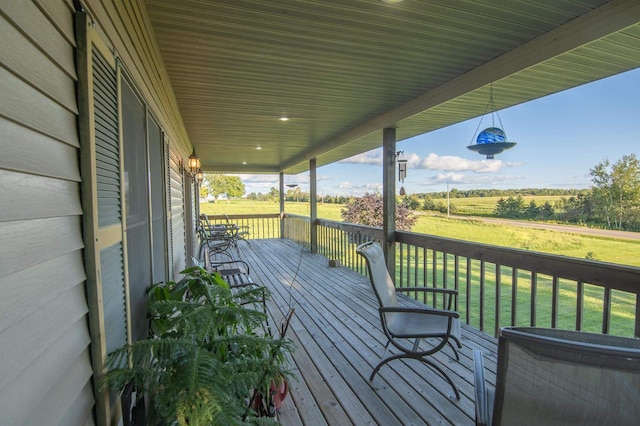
279 393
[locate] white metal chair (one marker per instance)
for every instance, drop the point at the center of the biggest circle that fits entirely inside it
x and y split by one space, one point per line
412 323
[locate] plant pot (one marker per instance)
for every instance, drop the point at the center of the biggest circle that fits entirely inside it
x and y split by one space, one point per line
270 407
279 393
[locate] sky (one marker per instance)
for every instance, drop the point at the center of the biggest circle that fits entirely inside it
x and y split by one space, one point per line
559 139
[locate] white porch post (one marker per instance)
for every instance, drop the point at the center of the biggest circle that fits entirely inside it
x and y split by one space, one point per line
313 191
281 204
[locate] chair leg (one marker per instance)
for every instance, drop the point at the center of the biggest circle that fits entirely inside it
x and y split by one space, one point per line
426 361
386 349
383 362
455 351
443 374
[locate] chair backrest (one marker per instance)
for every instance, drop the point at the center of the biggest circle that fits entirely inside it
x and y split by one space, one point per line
552 377
205 220
379 275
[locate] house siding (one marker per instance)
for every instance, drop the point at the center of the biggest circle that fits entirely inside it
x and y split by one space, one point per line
46 374
44 339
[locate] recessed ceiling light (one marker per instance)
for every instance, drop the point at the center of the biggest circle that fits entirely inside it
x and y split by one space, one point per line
258 147
284 118
244 162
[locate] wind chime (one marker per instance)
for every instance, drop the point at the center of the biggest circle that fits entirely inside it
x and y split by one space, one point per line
402 170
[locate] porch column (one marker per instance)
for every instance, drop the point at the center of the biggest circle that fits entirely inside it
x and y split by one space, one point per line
313 192
389 198
281 204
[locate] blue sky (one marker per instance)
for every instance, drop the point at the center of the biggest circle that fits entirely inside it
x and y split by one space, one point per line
560 137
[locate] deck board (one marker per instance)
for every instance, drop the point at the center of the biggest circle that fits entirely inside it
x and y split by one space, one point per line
338 339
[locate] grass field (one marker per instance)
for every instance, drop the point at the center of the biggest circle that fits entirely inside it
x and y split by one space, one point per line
626 252
486 205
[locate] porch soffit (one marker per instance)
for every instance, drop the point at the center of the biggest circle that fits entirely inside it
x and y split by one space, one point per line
341 71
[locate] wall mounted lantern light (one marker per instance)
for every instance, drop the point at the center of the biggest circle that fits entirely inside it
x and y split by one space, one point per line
194 163
194 167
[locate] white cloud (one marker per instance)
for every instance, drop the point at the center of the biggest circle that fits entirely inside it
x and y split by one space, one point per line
250 178
348 188
433 161
468 179
373 158
449 163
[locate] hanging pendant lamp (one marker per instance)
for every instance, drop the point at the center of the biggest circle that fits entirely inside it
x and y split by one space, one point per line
492 140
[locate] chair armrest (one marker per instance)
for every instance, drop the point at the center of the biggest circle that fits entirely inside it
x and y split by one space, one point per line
483 411
425 311
217 263
446 301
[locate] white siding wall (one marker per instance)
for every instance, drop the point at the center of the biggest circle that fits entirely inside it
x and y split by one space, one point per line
45 369
45 365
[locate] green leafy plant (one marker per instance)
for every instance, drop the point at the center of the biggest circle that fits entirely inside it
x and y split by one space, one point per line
208 353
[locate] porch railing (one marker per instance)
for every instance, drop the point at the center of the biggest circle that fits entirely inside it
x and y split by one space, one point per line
500 286
260 225
297 228
497 286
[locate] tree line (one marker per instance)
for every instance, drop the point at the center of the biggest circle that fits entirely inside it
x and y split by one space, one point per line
612 202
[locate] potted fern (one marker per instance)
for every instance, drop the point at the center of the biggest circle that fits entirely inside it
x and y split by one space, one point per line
206 356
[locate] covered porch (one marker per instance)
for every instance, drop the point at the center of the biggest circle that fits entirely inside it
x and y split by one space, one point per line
104 101
336 330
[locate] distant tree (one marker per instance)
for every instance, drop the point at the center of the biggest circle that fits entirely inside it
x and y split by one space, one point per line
223 184
616 191
512 207
368 209
547 210
273 192
575 209
532 210
412 202
428 204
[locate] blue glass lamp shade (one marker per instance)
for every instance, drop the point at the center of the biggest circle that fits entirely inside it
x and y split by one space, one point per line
491 135
491 141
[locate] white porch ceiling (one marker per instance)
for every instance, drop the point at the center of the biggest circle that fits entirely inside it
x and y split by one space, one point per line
341 71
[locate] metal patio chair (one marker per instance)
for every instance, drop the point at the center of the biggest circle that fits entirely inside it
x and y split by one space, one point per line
559 377
411 323
231 232
213 242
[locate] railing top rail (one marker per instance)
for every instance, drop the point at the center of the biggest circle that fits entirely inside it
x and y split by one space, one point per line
608 275
243 216
372 231
605 274
298 217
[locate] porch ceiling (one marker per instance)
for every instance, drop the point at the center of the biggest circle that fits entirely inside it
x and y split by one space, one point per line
344 70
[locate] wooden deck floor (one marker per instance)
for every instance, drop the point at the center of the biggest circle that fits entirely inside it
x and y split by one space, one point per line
338 340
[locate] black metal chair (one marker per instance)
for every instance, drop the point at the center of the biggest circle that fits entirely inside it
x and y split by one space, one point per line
213 242
560 377
228 231
414 323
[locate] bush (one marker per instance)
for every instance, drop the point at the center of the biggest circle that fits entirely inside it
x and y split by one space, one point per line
368 210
